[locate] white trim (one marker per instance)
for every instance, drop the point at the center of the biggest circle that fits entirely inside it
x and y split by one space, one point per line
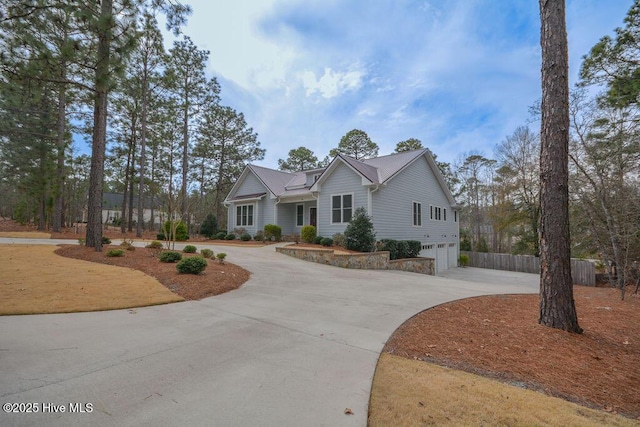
413 219
353 203
253 214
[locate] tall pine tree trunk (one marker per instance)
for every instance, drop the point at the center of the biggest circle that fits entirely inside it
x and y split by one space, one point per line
60 140
143 159
557 307
99 138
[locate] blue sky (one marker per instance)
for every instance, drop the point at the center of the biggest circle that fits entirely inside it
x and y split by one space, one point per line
457 74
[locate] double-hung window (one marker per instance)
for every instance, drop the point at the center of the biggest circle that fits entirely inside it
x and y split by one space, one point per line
244 216
299 215
341 208
417 214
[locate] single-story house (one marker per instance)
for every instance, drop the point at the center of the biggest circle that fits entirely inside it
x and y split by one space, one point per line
112 209
404 193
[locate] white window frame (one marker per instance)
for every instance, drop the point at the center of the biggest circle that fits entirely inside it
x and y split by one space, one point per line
436 213
299 205
416 216
341 195
252 217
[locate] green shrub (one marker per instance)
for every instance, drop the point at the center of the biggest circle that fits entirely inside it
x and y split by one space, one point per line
230 236
106 240
192 265
339 239
259 237
245 237
391 246
128 245
317 240
170 256
207 253
181 233
81 241
403 249
155 245
414 248
463 260
115 253
308 233
160 236
190 249
221 235
327 241
359 233
209 226
221 256
272 231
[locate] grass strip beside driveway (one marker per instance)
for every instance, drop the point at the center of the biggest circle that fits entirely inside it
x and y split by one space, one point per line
34 280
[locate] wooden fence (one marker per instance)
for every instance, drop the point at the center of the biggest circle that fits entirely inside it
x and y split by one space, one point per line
583 272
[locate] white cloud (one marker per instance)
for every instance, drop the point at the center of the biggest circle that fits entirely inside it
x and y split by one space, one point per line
332 83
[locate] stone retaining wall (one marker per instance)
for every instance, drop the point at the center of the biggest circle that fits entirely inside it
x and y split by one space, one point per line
366 261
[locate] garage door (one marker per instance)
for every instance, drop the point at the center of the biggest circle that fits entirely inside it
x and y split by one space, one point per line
453 255
442 256
428 251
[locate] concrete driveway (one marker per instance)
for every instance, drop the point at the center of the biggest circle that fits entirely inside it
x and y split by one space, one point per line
295 346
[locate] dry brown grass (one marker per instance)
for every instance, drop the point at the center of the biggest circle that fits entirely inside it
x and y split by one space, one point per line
35 280
25 234
411 392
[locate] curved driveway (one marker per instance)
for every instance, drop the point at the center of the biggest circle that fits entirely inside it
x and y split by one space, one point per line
295 346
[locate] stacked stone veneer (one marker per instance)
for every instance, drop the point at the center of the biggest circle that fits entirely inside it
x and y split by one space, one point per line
365 261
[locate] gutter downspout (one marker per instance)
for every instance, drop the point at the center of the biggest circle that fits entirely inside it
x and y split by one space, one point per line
370 201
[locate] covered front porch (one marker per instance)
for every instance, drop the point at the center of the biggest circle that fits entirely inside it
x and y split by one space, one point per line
292 215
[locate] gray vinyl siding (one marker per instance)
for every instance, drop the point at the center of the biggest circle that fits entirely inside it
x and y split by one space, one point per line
287 216
392 207
263 209
343 180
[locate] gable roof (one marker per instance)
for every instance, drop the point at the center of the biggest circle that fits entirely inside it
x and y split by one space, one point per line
376 171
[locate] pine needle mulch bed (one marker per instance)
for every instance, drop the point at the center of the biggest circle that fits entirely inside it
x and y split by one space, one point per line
216 279
499 337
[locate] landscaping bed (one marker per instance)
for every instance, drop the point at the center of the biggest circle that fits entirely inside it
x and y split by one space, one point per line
216 279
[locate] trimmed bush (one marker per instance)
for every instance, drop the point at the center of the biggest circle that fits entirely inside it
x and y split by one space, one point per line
414 248
327 241
338 239
115 253
192 265
207 253
272 231
463 260
170 256
259 237
317 240
308 233
391 246
221 256
106 240
359 233
221 235
230 236
403 249
245 237
155 245
190 249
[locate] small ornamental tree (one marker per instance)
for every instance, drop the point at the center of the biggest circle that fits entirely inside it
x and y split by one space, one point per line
359 234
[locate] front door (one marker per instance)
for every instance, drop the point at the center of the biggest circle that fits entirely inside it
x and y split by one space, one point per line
313 212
